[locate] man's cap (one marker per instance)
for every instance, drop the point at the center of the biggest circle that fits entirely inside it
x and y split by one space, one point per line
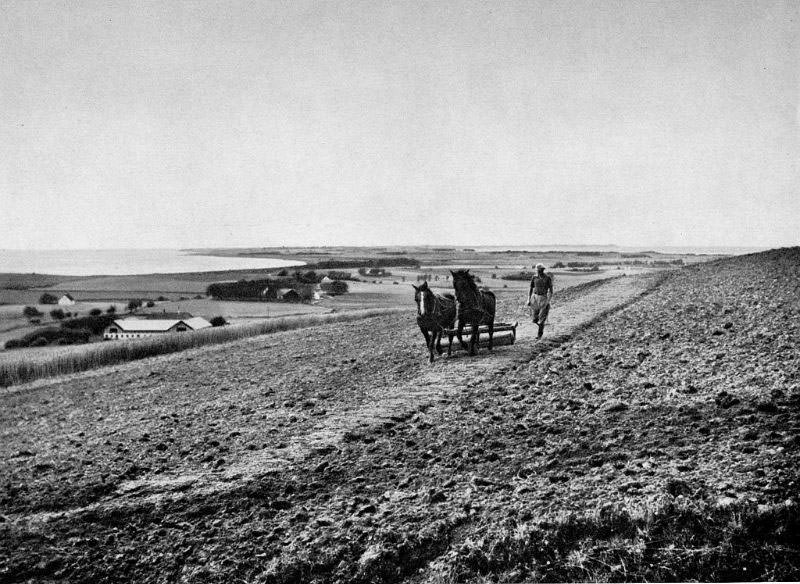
540 266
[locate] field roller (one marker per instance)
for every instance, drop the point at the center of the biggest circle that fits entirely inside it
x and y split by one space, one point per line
504 334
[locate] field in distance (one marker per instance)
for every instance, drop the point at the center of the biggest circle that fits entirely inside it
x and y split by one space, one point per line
186 292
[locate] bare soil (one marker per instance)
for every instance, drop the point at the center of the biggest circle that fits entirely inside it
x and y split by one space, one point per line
337 453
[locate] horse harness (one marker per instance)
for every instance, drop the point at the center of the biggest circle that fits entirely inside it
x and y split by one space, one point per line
430 318
474 308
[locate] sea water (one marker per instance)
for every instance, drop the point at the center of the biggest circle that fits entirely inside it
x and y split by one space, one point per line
117 262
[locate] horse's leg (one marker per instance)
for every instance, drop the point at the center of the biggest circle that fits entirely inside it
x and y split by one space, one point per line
491 333
473 342
431 340
450 346
427 337
459 332
439 341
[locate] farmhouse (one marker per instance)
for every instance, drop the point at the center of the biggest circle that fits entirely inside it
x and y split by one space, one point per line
66 300
131 328
289 294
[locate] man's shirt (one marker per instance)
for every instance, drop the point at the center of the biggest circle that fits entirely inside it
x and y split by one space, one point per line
541 285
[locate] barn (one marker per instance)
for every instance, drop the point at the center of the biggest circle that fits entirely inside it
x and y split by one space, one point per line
133 328
66 300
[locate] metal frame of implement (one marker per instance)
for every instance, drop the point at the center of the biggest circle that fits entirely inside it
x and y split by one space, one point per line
507 336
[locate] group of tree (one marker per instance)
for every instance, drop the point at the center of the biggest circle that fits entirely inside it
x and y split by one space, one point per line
523 275
31 312
393 261
340 275
70 331
335 287
267 289
374 272
136 303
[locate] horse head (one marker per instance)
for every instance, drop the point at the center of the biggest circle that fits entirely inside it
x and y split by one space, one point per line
423 296
463 282
467 292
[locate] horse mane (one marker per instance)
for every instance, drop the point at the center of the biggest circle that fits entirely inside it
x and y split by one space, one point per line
467 278
448 295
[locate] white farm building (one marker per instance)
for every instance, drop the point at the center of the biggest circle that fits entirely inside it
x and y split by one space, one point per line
131 328
66 300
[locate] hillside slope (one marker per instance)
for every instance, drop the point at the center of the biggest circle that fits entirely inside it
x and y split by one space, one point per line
659 443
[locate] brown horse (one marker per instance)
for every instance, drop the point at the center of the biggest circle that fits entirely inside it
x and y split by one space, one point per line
475 307
434 314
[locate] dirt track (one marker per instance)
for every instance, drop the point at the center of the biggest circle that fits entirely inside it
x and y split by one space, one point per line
341 454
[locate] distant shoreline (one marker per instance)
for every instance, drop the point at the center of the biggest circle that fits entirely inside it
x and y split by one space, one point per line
129 262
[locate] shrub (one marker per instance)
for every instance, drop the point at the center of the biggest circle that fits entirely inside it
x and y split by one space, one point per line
38 342
559 265
133 304
162 298
48 298
31 312
197 297
13 344
218 321
57 314
150 304
36 320
111 309
95 312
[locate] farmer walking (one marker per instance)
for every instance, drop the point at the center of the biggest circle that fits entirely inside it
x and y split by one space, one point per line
539 296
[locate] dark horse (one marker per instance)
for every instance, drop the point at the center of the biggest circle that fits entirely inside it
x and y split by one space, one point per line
475 307
434 313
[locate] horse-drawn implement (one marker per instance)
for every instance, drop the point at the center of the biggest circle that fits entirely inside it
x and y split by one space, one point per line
470 311
504 334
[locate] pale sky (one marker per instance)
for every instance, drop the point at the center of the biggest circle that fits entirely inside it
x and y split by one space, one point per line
200 124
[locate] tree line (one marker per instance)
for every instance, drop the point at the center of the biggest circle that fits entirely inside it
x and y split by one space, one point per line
266 289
